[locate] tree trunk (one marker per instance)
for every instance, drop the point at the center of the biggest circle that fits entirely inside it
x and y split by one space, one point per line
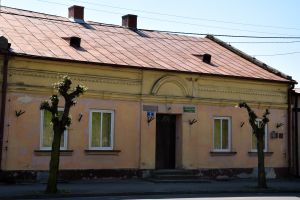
262 183
54 162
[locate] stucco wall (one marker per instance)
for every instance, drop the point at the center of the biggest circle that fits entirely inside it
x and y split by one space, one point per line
23 135
126 91
197 139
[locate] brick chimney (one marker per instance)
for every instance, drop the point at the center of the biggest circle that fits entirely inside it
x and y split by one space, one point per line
76 12
130 21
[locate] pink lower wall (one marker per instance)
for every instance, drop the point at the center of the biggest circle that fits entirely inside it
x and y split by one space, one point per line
135 138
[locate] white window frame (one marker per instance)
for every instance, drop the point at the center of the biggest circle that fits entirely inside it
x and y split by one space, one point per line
112 123
229 134
266 139
64 147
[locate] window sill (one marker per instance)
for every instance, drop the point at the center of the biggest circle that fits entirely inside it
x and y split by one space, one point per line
102 152
223 153
48 152
254 153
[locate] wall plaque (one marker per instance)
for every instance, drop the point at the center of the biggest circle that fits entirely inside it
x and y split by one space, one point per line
189 109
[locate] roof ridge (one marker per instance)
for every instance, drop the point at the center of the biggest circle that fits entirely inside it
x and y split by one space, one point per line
32 11
96 24
66 18
250 58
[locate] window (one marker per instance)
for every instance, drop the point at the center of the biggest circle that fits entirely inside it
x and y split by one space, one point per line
101 129
222 134
47 131
254 140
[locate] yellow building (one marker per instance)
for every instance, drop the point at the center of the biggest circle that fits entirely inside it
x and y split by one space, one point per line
155 100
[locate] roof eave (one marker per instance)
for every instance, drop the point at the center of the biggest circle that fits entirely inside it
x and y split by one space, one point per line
145 68
251 59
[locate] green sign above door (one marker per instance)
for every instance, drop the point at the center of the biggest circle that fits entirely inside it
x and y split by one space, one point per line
189 109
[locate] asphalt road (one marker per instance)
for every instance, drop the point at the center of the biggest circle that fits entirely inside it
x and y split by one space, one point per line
193 197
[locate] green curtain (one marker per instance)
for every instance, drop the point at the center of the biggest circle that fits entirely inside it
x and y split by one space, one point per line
101 130
48 130
106 127
217 134
225 133
254 141
96 127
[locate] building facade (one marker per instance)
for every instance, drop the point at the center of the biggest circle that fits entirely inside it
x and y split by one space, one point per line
142 111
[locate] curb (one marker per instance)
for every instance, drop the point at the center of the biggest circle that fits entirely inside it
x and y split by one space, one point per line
64 195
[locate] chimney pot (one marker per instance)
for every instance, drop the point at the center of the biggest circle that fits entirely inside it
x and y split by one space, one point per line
206 58
76 12
130 21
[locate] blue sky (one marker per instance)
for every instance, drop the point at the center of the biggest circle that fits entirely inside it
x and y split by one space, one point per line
230 17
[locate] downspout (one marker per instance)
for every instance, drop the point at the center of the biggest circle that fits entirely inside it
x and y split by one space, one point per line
6 54
296 136
291 87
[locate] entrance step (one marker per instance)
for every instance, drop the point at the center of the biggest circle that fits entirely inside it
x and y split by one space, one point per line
175 175
174 172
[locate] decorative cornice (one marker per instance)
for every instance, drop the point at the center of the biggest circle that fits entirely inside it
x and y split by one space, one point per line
237 90
75 76
156 99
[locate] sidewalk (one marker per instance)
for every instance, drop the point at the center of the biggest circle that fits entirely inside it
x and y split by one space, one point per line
116 187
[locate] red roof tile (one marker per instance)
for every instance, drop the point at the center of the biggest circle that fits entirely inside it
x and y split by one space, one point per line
45 35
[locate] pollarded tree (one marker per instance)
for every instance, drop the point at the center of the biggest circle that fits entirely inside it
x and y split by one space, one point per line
258 128
59 123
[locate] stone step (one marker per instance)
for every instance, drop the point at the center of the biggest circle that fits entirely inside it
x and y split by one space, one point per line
174 172
178 180
174 176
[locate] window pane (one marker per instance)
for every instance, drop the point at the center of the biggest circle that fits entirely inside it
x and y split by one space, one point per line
106 128
96 127
254 141
225 134
47 130
217 134
60 113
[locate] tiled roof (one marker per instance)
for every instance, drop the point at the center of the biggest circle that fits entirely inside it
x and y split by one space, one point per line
43 35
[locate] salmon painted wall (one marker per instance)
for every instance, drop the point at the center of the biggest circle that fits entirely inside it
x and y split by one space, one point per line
126 91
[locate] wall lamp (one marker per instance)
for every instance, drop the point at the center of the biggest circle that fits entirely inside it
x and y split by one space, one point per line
278 125
193 121
242 124
80 116
19 112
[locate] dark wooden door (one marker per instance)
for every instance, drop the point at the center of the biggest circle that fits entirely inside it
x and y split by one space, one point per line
165 141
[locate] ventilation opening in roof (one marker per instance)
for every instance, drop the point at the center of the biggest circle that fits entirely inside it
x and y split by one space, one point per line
205 58
75 42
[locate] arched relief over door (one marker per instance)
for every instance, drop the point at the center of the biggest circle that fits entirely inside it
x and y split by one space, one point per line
170 86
